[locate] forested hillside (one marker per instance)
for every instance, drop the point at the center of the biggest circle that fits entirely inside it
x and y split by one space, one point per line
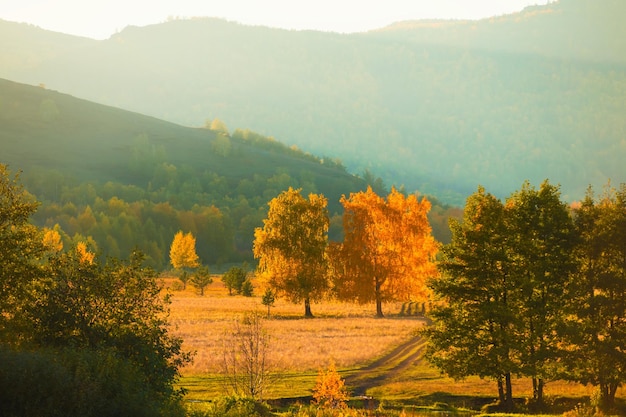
126 179
436 106
129 180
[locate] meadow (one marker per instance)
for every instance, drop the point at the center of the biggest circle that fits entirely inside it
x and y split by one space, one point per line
346 333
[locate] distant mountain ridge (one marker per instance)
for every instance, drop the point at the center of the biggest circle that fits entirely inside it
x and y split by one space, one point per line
533 95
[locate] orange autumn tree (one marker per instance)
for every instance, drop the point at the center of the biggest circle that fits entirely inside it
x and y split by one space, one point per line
291 247
388 249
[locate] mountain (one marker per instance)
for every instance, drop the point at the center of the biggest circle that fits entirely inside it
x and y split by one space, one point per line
121 179
437 106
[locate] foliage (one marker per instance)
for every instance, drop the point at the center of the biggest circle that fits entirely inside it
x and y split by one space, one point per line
541 239
597 334
183 255
201 278
183 251
247 289
234 278
52 240
21 247
115 306
388 250
532 288
330 390
268 300
245 366
234 406
291 247
474 325
88 323
81 383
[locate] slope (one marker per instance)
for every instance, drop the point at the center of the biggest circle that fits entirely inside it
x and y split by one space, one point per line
534 95
120 179
49 130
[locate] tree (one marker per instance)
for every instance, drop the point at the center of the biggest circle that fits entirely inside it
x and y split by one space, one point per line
247 289
330 389
234 278
201 278
52 241
475 314
542 241
597 332
388 250
183 254
245 361
268 300
115 307
21 248
291 247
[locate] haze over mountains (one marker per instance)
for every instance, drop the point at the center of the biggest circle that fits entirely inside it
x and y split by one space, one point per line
438 106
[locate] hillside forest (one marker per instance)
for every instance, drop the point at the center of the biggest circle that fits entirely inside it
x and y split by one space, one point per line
147 179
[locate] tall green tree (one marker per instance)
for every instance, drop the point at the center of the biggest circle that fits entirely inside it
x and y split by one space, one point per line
597 334
475 314
542 238
291 247
21 247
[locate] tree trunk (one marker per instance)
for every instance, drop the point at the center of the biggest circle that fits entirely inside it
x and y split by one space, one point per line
538 390
509 392
379 301
607 396
379 308
307 308
501 396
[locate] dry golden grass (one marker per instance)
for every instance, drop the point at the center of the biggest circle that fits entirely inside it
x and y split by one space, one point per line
347 333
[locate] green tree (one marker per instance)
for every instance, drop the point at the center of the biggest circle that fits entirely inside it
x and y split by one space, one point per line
247 289
291 247
268 300
21 248
475 314
542 238
234 278
116 307
597 332
201 278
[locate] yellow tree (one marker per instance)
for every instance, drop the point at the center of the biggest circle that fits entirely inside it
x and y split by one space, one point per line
291 247
388 249
330 389
183 254
52 240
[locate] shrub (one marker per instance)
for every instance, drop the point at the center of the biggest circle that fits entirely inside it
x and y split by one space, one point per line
237 407
76 383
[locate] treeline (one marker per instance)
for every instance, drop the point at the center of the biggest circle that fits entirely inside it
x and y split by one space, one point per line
221 211
532 287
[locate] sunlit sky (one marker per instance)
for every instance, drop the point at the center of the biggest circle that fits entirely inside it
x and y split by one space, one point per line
99 19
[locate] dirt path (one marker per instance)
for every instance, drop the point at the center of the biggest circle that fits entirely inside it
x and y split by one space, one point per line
388 367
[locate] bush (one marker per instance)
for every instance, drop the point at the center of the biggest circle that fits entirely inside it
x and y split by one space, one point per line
76 383
235 407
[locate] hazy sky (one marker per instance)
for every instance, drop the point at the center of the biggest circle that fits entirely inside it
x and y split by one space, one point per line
100 19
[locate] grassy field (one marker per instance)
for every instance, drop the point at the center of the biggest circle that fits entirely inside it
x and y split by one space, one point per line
348 334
